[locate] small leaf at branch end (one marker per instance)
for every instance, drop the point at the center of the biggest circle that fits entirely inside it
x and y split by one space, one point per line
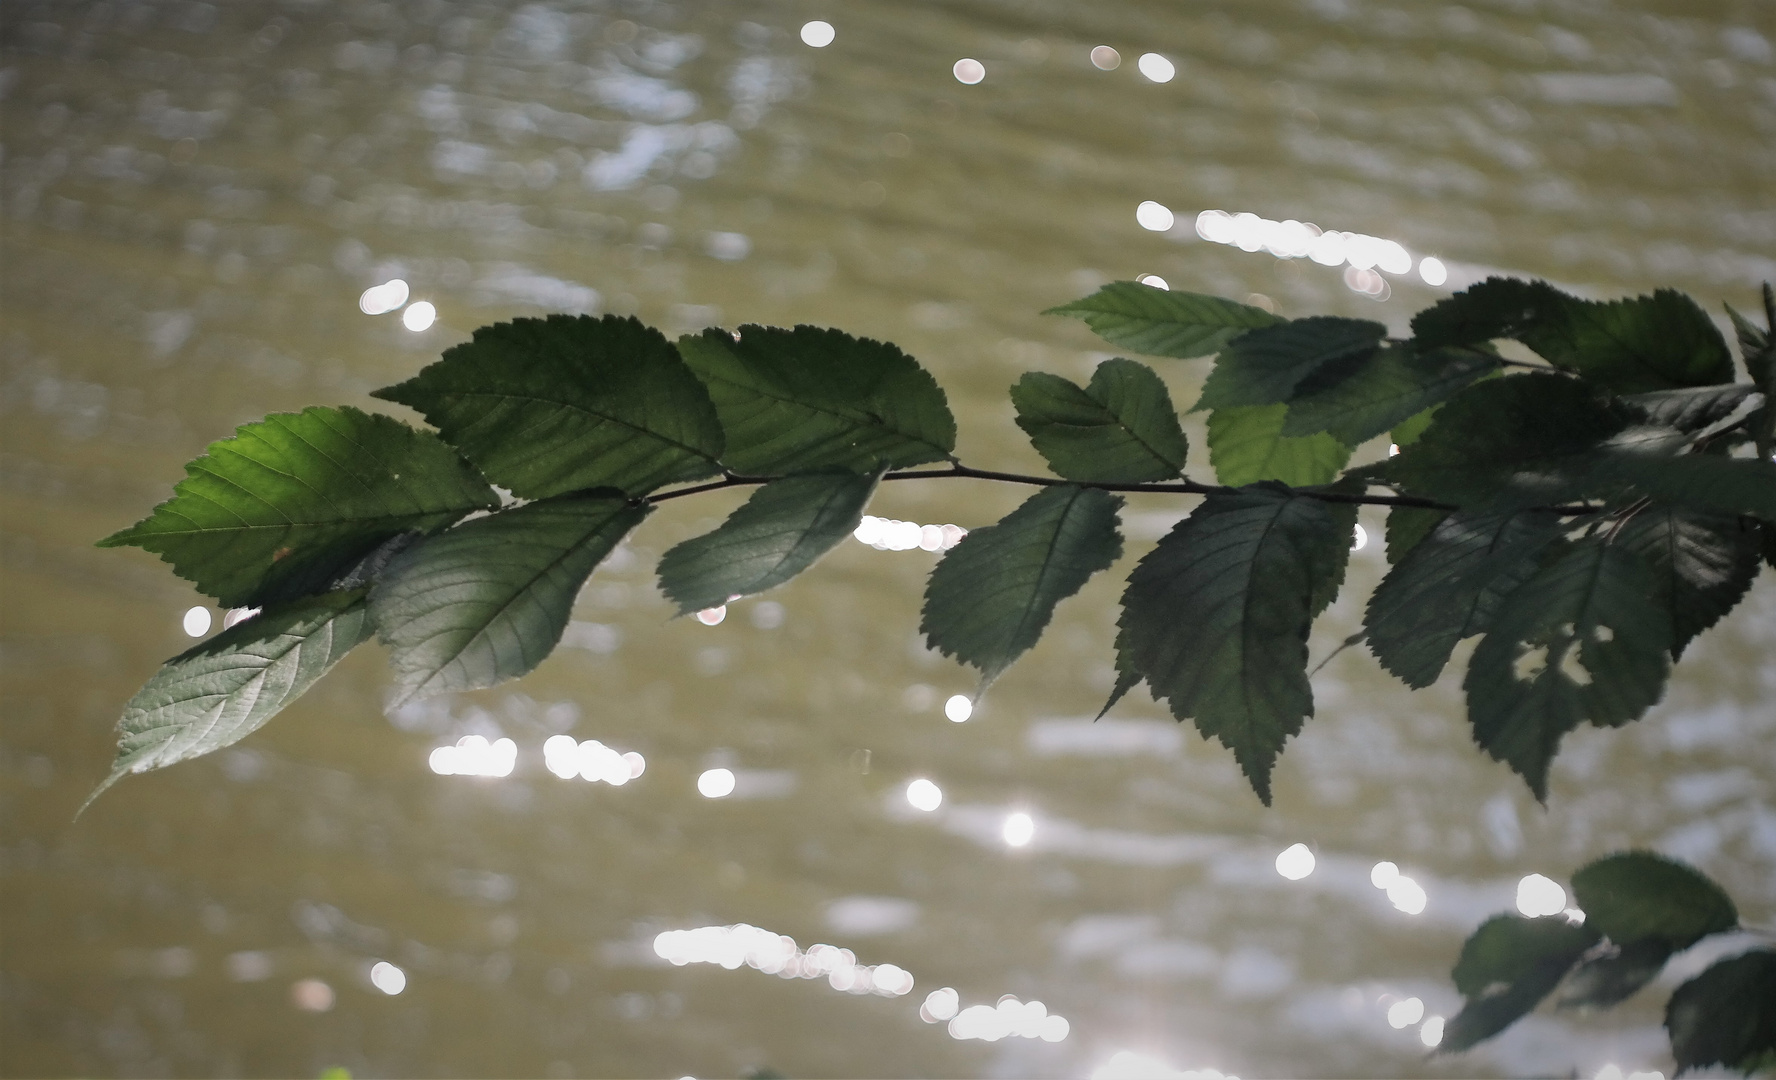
1495 308
1216 617
781 530
1158 322
1576 642
1703 562
567 403
487 601
1121 429
1390 387
1611 974
992 595
1726 1015
1506 968
1247 445
224 689
1637 896
292 501
810 398
1264 366
1407 526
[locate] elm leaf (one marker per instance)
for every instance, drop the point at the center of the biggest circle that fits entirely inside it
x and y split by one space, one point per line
1247 445
1158 322
1119 429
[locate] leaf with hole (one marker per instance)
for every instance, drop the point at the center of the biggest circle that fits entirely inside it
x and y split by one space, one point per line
1120 429
1158 322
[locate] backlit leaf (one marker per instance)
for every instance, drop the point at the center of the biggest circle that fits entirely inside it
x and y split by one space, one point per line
1247 445
1506 968
1264 366
1389 387
1407 526
1632 346
1120 429
293 500
780 531
1703 564
1162 323
992 595
1637 896
1726 1015
487 601
1612 973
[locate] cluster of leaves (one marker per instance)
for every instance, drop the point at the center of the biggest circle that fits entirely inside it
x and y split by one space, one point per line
1639 910
1588 514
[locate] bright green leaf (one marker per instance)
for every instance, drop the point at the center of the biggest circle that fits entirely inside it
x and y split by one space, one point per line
1637 895
1247 445
1703 564
1726 1015
1264 366
808 398
222 690
992 595
1407 526
1506 968
1614 974
291 501
1390 387
1576 642
487 601
1162 323
567 403
1120 429
780 531
1216 617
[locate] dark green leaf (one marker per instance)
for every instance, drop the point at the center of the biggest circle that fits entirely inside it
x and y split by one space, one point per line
1506 968
1576 642
1637 895
1216 617
1644 343
224 689
1264 366
1161 323
1496 308
292 501
1407 526
808 398
780 531
1449 587
1756 345
567 403
1704 482
1689 409
992 595
487 601
1247 445
1389 387
1612 973
1121 429
1703 564
1726 1015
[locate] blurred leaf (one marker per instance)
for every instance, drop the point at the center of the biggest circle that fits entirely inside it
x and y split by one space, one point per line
1576 642
1726 1015
1161 323
488 600
1407 526
992 595
1449 587
1703 564
781 530
1636 895
1120 429
291 501
1506 968
1756 346
1389 387
1264 366
1247 445
220 691
1216 617
809 398
1606 978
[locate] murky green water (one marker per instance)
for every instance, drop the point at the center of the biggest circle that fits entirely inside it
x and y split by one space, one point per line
193 197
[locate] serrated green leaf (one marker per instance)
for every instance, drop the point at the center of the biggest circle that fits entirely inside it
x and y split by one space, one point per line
1691 408
1449 587
1703 482
1632 346
1162 323
1389 387
1506 968
1576 642
293 500
1247 445
780 531
1612 975
567 403
809 398
1264 366
1407 526
222 690
1215 618
1120 429
1703 564
1637 896
1726 1015
991 596
488 600
1495 308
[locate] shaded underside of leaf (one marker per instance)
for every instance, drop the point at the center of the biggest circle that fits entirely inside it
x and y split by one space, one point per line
1703 564
1726 1015
1691 408
487 601
1506 968
780 531
811 398
292 501
570 402
1706 482
1576 642
1216 617
1247 445
1120 429
1613 975
224 689
1638 895
1264 366
1158 322
1389 387
992 595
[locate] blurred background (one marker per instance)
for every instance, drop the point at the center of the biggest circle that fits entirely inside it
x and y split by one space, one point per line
195 199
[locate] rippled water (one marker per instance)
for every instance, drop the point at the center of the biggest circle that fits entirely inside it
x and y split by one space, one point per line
193 198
